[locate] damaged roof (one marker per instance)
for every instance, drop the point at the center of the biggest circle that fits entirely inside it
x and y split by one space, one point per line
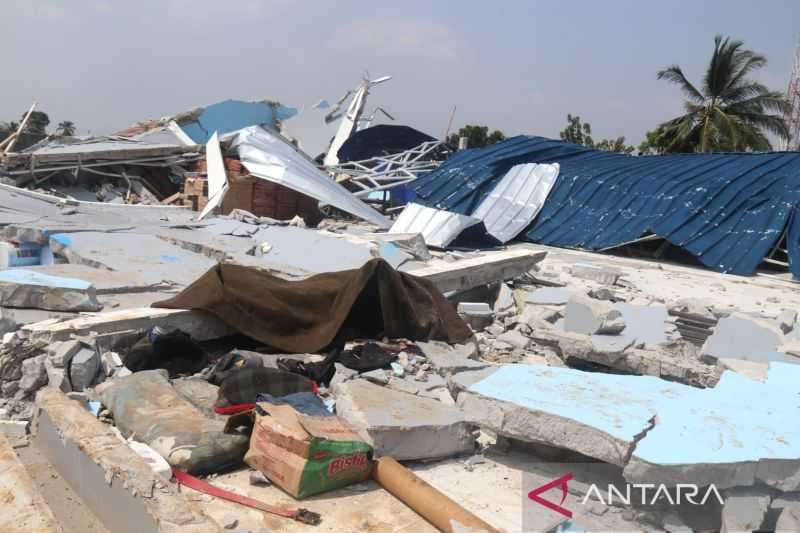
728 210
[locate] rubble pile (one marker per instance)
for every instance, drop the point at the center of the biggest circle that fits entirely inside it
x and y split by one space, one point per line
213 320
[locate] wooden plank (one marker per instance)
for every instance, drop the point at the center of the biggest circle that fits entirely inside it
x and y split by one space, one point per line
172 199
19 130
474 271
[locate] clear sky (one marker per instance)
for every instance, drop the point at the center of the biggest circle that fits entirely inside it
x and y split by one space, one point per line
519 66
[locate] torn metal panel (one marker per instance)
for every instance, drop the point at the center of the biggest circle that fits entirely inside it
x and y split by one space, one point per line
385 172
232 115
438 228
351 119
217 177
269 157
516 200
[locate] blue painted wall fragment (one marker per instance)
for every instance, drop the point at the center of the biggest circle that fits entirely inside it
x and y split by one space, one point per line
728 210
231 115
739 420
30 277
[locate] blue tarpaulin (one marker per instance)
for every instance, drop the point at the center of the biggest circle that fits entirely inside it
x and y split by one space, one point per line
728 210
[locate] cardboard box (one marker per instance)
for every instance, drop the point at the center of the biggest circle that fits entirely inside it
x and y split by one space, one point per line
307 455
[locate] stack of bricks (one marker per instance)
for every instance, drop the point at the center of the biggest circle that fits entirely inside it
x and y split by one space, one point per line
260 197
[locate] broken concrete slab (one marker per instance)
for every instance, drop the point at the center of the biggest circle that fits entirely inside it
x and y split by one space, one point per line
400 425
600 274
199 324
117 485
333 252
28 289
738 337
678 361
24 508
480 270
661 432
449 359
477 314
744 510
548 296
590 317
12 319
145 256
104 281
555 406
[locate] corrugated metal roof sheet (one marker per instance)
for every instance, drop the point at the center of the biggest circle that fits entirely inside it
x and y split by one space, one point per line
438 228
269 157
727 209
516 200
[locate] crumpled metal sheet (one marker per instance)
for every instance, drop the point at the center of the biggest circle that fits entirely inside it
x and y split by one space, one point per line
438 228
516 200
268 157
728 210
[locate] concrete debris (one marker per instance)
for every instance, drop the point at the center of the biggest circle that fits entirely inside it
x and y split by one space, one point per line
549 296
789 518
604 293
83 368
477 314
590 317
515 339
786 320
448 360
505 299
603 275
400 425
744 510
739 337
28 289
34 375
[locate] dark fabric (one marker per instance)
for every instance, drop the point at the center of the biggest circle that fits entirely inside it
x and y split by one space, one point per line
321 372
380 140
231 362
174 351
306 316
303 402
245 385
366 357
362 358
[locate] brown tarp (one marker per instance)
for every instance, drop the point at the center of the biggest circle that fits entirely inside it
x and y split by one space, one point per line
306 316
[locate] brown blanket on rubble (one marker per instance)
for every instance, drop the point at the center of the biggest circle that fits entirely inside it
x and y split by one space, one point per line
306 316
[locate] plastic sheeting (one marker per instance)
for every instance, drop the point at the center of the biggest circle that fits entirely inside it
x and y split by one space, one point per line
438 228
728 210
516 200
268 157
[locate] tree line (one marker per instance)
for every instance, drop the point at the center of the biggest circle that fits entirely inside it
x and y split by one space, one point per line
727 112
35 129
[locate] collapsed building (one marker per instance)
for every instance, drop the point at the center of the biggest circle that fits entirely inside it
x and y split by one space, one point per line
195 297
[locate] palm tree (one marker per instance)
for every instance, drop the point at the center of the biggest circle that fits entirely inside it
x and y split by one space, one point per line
66 128
732 112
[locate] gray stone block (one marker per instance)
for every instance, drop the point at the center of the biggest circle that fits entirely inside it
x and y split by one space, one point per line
400 425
